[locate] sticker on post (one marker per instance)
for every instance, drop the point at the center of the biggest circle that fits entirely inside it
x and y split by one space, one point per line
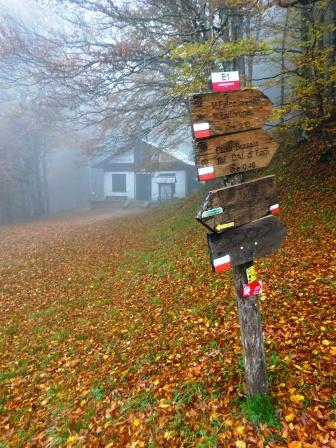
206 173
212 212
227 225
201 130
222 81
252 289
251 274
275 209
222 264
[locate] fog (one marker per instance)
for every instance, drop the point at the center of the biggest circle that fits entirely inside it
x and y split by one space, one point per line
64 108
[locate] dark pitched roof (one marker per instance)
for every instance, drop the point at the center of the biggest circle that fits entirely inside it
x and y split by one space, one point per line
146 157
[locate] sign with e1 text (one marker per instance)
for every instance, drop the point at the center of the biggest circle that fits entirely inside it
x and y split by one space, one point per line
222 81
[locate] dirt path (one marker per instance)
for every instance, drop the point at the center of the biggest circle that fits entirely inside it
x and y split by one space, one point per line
23 237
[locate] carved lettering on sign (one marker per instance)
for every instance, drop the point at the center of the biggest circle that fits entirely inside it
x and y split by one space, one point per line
236 153
229 112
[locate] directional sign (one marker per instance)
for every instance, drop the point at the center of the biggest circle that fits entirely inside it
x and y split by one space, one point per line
228 112
243 244
234 153
230 207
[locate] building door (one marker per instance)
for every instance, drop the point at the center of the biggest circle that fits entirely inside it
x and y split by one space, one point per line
166 192
143 187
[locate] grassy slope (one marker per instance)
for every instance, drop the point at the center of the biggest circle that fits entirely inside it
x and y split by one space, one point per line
120 335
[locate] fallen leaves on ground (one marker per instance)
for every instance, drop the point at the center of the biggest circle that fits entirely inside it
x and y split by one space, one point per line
117 333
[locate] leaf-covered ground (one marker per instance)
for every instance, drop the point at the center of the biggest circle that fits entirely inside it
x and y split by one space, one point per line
117 334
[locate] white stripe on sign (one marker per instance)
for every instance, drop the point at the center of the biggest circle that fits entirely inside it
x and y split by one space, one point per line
201 126
274 207
224 76
221 260
206 170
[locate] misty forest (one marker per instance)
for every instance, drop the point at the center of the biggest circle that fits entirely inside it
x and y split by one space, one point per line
124 321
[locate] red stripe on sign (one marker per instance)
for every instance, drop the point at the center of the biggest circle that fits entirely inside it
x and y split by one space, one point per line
202 134
208 176
206 173
222 267
228 85
222 264
275 209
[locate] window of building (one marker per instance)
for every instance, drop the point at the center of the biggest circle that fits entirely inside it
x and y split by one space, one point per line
119 183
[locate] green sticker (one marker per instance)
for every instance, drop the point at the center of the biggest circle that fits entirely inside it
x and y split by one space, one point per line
212 212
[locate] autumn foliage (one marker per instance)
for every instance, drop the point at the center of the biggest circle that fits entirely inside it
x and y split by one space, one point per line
116 333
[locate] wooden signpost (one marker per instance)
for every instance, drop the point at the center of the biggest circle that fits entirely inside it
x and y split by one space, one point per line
228 112
235 153
234 206
245 243
228 139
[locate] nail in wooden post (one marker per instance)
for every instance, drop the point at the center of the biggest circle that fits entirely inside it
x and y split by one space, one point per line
251 335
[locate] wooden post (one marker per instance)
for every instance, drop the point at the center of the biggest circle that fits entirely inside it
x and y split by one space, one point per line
251 335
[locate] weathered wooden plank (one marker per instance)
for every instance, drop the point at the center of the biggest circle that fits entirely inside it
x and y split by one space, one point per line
228 112
251 336
235 153
247 242
234 206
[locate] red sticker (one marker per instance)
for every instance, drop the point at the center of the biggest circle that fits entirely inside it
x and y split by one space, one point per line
252 289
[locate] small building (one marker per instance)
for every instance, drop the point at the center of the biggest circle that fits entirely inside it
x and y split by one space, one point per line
146 173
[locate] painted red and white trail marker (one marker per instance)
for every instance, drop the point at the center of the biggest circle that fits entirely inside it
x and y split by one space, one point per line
275 209
201 130
222 81
222 264
206 173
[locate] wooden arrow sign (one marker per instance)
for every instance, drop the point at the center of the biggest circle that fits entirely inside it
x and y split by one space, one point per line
228 112
243 244
234 153
234 206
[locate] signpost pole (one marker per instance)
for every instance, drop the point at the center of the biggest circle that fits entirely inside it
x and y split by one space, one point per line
251 335
250 325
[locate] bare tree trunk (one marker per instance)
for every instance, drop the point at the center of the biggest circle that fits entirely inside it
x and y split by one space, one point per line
283 61
238 34
45 184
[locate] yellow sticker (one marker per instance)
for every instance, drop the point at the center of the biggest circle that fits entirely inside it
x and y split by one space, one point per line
227 225
251 274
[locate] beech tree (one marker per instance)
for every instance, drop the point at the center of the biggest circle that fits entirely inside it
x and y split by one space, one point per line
118 64
128 67
311 81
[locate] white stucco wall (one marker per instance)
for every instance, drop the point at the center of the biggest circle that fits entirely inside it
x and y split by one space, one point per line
130 181
180 186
